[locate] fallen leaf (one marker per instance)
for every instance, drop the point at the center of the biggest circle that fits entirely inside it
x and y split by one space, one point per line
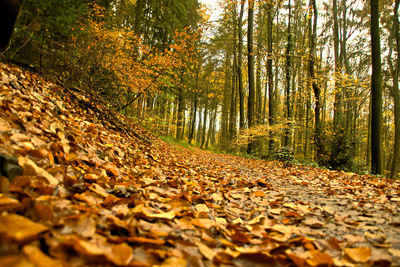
16 228
320 259
206 251
361 254
30 168
202 208
173 262
120 254
394 252
40 259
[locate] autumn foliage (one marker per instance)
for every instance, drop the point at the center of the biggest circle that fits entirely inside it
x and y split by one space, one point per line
120 65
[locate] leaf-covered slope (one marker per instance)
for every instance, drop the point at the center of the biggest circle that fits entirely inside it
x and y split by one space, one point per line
98 191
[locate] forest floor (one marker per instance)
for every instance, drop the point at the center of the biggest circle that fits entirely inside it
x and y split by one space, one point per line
97 190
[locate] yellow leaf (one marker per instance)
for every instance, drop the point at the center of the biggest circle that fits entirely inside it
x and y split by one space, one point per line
361 254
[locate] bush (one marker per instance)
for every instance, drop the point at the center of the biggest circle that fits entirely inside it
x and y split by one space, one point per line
340 152
285 154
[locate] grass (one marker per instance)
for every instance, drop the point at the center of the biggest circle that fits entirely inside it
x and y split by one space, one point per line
176 143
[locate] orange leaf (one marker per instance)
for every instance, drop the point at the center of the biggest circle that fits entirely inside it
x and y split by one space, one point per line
16 228
320 258
361 254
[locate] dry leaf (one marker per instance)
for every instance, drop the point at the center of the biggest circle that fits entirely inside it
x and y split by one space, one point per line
16 228
206 251
361 254
202 208
319 259
30 168
40 259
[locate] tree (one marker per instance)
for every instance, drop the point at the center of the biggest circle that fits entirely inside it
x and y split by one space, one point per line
337 103
394 67
270 77
312 35
9 11
239 71
250 47
376 92
287 137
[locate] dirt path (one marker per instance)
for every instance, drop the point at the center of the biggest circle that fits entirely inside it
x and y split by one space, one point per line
94 194
329 207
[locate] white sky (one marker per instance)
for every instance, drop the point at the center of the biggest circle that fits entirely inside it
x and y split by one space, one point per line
214 8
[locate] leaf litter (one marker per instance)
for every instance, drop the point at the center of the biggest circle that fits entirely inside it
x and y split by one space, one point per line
97 190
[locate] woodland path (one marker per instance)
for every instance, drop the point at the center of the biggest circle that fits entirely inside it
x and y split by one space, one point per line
98 190
358 211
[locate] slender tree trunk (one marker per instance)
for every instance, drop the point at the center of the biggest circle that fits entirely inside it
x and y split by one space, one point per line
250 48
233 111
259 97
287 137
317 92
203 135
338 100
224 140
241 89
270 75
194 118
395 70
181 110
376 92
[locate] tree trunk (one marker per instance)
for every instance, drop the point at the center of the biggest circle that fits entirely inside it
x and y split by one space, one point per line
270 75
287 139
203 135
395 71
317 92
259 97
337 75
194 111
181 110
250 68
376 92
233 111
241 89
179 122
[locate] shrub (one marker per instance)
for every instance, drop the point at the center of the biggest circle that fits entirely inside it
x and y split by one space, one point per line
285 154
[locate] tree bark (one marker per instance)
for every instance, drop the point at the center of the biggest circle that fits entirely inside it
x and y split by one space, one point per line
376 92
338 100
394 42
270 75
317 92
233 111
241 89
181 109
287 137
250 68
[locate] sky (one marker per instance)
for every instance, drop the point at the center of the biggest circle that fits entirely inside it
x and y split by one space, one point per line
214 8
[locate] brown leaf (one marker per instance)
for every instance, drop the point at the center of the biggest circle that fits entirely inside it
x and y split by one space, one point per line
30 168
206 251
120 255
111 169
361 254
85 226
202 208
40 259
320 259
4 126
173 262
144 240
7 203
16 228
240 237
15 260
